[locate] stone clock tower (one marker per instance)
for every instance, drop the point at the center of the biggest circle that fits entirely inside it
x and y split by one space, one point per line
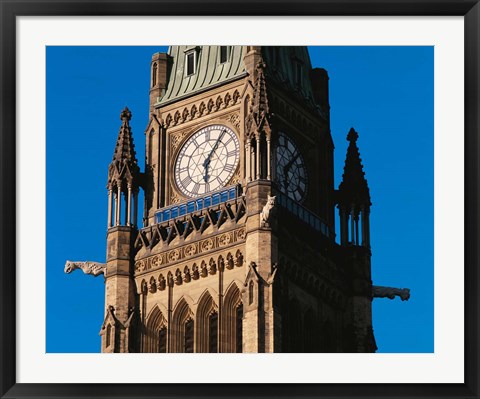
238 251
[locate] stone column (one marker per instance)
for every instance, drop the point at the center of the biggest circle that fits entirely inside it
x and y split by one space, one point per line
119 206
128 222
109 208
357 219
135 208
343 226
366 227
258 166
248 161
352 225
268 158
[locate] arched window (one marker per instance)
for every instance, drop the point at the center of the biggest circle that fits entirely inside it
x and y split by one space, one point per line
250 292
150 148
311 333
329 342
154 74
232 319
213 333
182 333
155 339
162 340
239 329
108 336
188 339
295 334
207 325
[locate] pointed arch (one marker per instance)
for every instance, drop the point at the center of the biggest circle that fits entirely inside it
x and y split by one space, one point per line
207 324
154 74
295 333
108 336
232 339
311 332
182 328
155 337
328 335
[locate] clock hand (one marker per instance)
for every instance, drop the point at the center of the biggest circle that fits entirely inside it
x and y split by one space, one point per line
287 167
207 160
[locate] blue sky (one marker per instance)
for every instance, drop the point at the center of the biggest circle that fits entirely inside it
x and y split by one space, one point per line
385 93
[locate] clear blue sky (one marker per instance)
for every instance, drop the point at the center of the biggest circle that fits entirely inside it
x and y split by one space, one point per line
385 93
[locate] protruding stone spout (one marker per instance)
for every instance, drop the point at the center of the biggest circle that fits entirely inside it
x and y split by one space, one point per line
93 268
390 292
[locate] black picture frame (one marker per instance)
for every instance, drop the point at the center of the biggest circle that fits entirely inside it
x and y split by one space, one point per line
9 10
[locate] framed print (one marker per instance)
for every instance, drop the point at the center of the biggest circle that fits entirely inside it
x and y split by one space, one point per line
299 216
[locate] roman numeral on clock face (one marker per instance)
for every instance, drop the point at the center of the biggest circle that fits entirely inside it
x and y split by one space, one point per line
228 168
186 181
195 188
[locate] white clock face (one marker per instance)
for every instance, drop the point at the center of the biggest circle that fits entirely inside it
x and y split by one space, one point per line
207 160
291 173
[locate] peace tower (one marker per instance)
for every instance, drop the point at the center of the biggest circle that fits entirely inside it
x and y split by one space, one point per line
237 249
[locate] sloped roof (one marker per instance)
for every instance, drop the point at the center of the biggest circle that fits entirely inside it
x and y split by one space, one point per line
209 71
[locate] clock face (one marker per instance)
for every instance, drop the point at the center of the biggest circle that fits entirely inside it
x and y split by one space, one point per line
291 173
207 160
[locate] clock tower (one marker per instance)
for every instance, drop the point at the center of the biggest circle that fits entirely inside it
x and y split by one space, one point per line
238 251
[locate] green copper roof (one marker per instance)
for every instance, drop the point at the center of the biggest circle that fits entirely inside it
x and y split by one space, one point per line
209 71
289 67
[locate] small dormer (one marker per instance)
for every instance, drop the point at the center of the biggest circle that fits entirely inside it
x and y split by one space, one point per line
224 54
191 60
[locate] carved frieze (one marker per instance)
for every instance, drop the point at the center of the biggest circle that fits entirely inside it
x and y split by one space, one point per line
198 110
187 251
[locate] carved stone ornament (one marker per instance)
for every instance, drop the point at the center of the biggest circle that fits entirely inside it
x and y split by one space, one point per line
390 292
193 249
92 268
267 211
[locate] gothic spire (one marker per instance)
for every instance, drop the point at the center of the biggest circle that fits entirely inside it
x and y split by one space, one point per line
124 166
354 188
260 100
259 109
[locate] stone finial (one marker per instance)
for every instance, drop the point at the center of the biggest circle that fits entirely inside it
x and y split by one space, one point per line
125 115
352 136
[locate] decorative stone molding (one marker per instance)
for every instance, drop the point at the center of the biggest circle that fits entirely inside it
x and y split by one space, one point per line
192 225
174 199
320 286
184 275
296 118
187 251
234 119
199 109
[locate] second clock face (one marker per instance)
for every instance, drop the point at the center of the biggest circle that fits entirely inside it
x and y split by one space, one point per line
207 160
291 173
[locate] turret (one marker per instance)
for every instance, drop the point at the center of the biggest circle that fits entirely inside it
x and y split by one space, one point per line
123 177
120 293
354 198
354 205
